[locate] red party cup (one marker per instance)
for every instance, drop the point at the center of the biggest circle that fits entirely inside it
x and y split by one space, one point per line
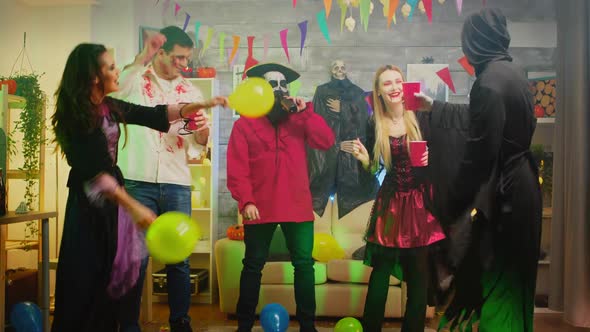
417 149
410 101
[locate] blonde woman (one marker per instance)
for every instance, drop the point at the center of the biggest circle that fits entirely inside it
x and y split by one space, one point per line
400 229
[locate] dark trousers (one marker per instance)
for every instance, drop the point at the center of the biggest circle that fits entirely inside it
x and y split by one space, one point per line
299 239
415 270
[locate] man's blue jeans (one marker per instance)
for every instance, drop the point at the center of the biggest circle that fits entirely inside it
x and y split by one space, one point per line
159 197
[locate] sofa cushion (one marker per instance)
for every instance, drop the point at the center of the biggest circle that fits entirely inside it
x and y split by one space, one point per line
282 273
349 231
353 271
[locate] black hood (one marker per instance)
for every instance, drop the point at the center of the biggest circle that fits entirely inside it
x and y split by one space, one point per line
485 38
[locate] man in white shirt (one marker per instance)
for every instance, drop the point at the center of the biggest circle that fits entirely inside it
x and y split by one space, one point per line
155 164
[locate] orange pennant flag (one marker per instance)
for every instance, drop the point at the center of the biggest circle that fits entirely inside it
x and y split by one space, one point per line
466 65
328 6
235 49
392 7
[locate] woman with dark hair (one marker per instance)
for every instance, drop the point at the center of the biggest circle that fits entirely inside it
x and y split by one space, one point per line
100 251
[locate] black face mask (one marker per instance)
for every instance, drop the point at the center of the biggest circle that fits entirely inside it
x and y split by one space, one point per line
277 113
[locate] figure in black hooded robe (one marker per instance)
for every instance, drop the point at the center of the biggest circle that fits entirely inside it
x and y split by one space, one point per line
495 282
342 104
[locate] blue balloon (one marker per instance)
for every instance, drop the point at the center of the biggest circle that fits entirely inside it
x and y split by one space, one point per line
274 318
26 317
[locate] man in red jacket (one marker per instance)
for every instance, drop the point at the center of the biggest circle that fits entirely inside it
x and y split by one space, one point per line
267 175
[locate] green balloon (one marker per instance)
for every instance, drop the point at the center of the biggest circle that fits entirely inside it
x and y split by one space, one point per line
348 324
172 237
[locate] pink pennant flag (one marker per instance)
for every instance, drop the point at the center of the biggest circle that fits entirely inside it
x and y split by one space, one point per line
303 30
235 57
283 34
445 75
235 48
294 3
266 42
328 6
250 61
484 2
466 65
460 6
186 19
428 8
176 8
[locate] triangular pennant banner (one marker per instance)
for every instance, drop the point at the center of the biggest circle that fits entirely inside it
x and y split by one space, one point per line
165 7
321 17
365 8
294 3
343 9
445 75
250 61
221 46
303 30
237 55
283 34
466 65
413 4
460 6
234 50
176 8
210 32
197 28
328 7
391 11
186 19
428 9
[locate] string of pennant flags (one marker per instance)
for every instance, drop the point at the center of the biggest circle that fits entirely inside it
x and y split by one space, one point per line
365 6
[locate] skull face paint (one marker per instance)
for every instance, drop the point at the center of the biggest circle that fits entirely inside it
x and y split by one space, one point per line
338 70
277 81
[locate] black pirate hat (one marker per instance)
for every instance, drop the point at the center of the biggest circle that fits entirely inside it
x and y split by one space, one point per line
261 69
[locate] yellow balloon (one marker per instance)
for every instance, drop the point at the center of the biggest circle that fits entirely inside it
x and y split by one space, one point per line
172 237
253 98
325 248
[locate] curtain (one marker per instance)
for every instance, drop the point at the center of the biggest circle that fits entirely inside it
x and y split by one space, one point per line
570 249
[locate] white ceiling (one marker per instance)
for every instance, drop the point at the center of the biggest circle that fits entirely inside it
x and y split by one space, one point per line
51 3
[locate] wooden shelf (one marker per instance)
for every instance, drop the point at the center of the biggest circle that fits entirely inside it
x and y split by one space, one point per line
544 262
201 209
546 120
547 212
199 165
16 101
22 244
202 247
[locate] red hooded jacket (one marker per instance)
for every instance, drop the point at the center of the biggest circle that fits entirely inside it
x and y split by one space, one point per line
267 166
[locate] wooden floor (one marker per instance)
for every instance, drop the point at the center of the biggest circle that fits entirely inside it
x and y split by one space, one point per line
204 316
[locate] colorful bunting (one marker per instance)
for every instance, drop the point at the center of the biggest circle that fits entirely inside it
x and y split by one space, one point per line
250 61
176 8
460 6
235 57
484 2
234 50
391 12
328 7
186 19
466 65
221 46
428 8
445 76
321 17
365 9
343 9
303 30
208 40
197 28
413 4
283 34
294 3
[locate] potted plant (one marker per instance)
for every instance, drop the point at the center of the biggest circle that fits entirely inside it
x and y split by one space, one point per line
31 124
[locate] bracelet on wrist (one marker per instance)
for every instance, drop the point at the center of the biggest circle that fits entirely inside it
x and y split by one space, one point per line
180 110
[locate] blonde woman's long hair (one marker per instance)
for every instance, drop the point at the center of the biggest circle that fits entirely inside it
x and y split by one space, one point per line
382 149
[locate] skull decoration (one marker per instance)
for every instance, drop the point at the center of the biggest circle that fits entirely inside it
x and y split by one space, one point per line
277 81
338 70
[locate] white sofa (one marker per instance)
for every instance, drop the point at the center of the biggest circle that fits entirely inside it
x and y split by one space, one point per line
341 284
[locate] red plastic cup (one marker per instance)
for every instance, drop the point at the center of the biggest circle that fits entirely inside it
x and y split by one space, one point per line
410 101
417 149
192 124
